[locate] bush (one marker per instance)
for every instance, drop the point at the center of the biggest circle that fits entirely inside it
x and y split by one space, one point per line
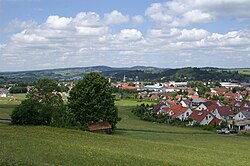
207 127
63 117
27 113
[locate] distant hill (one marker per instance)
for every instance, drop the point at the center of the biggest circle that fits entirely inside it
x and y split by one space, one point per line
138 73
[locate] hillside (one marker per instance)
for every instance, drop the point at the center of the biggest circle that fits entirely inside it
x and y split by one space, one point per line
140 73
136 142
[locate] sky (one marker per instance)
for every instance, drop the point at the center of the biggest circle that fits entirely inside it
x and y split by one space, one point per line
46 34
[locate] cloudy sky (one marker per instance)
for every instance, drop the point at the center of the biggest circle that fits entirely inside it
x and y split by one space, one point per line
41 34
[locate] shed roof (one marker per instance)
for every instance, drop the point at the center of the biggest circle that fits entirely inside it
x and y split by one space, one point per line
99 126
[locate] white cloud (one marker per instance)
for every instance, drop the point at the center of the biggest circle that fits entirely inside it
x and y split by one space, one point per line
129 35
15 25
176 13
87 39
88 19
58 22
115 17
138 19
193 34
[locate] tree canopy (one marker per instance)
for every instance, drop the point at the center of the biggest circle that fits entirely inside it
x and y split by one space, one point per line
91 101
41 106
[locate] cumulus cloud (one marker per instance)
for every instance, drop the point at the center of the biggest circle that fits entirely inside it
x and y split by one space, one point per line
115 17
177 13
129 35
90 39
58 22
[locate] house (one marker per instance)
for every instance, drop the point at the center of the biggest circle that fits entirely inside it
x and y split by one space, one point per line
197 101
153 97
241 121
242 125
203 117
177 111
223 112
158 108
219 91
171 102
215 121
201 107
208 105
230 96
186 103
242 115
4 92
240 106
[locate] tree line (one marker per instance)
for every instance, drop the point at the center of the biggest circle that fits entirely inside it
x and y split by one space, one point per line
90 101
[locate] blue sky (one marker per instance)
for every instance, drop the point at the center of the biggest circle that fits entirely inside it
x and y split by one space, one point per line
39 34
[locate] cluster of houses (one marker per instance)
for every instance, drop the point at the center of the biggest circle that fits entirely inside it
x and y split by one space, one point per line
210 112
194 108
160 91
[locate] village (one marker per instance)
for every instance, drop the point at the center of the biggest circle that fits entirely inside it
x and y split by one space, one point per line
198 103
195 102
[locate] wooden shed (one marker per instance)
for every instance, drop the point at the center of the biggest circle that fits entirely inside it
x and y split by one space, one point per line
101 126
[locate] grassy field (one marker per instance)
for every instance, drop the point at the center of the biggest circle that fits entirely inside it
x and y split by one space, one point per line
245 71
8 104
136 142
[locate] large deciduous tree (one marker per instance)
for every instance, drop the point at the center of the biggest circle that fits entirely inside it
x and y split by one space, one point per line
43 105
91 101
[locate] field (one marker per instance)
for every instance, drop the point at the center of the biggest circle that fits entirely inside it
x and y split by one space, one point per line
136 142
8 104
245 71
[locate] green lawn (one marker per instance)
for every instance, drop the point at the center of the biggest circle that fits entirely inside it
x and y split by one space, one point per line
136 142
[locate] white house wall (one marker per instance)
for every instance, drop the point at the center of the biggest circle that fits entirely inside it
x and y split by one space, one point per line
207 120
201 107
239 116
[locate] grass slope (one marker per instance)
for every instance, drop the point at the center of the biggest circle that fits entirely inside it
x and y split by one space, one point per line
135 143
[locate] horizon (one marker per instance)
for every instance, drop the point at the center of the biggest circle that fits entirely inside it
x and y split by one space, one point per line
42 35
62 68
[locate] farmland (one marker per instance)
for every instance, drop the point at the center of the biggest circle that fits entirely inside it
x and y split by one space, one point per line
135 142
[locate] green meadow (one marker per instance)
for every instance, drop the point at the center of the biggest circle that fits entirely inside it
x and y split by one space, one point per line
135 142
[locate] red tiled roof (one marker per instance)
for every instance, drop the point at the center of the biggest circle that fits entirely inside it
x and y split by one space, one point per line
178 110
225 110
99 126
198 115
215 121
124 86
211 107
172 102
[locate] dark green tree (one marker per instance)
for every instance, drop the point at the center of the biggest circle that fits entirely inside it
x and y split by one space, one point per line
41 106
91 101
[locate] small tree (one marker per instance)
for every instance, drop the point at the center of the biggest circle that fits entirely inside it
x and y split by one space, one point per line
91 101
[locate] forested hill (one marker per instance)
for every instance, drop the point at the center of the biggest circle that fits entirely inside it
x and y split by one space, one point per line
138 73
184 74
